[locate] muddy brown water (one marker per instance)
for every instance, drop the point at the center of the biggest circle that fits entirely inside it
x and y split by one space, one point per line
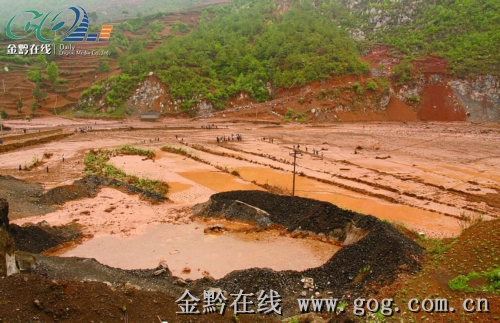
433 224
188 246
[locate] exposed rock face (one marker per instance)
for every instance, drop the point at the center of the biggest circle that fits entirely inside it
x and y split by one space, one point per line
401 12
150 94
480 96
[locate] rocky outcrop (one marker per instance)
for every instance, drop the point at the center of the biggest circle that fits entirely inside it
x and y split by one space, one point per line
151 94
480 96
379 17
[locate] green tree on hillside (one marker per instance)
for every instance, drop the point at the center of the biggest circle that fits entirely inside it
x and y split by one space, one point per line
104 67
52 72
38 93
34 76
19 105
248 48
34 107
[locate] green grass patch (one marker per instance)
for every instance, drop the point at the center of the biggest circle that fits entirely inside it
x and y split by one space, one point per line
491 276
96 162
130 150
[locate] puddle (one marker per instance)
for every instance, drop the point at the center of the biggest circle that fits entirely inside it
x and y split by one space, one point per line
219 181
188 246
433 224
176 187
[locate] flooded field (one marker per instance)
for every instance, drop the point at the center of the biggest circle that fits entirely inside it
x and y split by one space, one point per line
400 173
191 253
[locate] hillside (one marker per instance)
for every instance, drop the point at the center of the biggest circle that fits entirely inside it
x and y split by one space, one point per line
354 60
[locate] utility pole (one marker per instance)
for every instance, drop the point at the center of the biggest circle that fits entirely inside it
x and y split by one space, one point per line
294 154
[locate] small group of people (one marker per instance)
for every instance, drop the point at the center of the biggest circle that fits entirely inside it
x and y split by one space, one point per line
316 152
179 139
154 139
209 126
229 138
271 140
83 129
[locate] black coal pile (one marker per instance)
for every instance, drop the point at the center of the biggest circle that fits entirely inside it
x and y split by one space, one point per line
374 252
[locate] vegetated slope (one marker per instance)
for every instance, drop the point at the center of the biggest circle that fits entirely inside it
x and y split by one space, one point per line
259 48
465 32
249 47
26 79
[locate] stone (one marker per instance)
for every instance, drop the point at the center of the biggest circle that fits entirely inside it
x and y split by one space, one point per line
43 224
180 282
109 285
208 278
7 257
128 286
162 265
308 282
25 261
159 272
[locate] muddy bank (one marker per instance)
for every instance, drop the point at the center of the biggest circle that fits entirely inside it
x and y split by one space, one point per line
30 142
28 199
89 186
40 237
23 197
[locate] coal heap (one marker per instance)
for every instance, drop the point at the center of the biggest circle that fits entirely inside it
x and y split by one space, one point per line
374 252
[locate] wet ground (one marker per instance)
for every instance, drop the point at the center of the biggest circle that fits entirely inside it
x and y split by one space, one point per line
191 253
413 173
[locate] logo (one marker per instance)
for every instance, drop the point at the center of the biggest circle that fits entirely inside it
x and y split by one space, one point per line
72 23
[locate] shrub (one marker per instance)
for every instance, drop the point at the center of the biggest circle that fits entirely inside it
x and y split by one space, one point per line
35 76
459 283
414 98
359 89
371 85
